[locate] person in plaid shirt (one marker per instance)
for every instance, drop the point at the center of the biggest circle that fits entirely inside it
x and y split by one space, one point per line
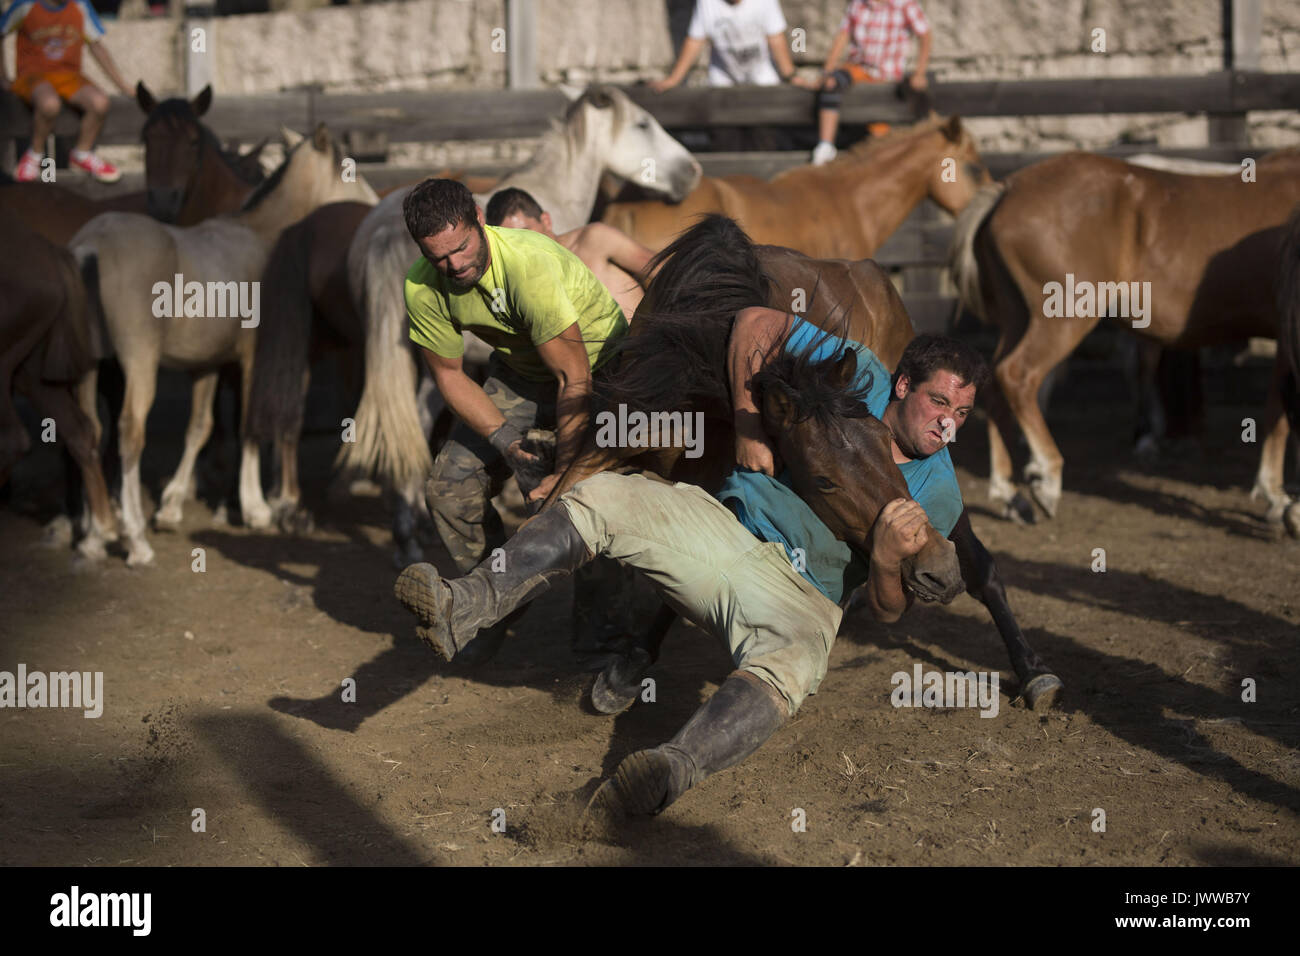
877 34
50 39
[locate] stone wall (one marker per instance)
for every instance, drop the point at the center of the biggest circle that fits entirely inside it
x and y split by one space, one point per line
439 44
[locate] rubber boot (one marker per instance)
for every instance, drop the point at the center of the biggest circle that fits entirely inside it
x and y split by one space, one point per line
451 613
727 728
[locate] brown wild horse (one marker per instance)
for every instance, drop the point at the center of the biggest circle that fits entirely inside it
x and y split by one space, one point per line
188 176
1185 261
845 209
675 359
45 348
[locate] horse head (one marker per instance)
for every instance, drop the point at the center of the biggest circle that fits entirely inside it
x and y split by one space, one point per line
841 463
632 143
175 147
960 172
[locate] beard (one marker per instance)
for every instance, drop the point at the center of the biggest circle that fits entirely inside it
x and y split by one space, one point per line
479 267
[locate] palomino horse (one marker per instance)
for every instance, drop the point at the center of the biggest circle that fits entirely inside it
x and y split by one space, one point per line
845 209
45 349
674 359
1288 338
188 176
1185 261
146 268
603 131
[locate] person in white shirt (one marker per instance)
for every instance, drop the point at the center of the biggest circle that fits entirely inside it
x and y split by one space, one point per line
748 44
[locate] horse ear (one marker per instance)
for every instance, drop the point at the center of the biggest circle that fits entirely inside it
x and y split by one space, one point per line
201 102
601 99
952 129
320 139
144 97
570 92
777 409
846 369
291 137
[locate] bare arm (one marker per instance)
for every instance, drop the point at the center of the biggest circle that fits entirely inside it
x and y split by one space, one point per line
922 60
105 60
566 357
837 51
464 396
685 60
624 251
781 55
4 69
753 334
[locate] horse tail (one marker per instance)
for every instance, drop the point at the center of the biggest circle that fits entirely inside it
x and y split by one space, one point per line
961 253
389 439
1288 306
69 344
677 346
92 312
276 400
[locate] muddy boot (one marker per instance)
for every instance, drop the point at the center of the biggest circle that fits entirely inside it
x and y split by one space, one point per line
727 728
451 613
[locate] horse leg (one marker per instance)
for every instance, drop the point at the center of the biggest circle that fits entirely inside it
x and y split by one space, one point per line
1142 363
60 403
1038 685
1003 429
203 392
1272 458
1044 344
285 504
619 684
141 381
252 506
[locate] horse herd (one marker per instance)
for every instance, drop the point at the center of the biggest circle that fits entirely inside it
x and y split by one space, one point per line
78 285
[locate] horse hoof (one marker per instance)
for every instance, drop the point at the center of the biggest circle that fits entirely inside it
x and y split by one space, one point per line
259 519
58 533
618 685
139 557
165 520
1019 511
1147 448
91 549
1291 518
1042 692
1048 502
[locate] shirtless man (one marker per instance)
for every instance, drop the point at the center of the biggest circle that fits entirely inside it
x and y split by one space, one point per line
616 259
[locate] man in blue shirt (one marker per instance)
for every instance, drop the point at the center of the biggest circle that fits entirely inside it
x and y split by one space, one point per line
726 562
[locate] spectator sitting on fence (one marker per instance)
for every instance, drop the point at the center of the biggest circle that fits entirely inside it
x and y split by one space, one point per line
876 33
615 258
737 32
50 38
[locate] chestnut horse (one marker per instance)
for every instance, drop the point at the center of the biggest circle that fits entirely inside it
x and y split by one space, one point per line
845 209
45 348
1184 261
674 359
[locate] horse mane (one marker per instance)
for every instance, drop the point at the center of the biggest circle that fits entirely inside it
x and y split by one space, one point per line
870 145
811 385
676 353
267 185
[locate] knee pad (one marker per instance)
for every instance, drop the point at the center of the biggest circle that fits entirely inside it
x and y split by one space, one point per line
831 99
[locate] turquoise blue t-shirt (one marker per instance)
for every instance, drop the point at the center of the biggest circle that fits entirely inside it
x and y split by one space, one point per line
772 511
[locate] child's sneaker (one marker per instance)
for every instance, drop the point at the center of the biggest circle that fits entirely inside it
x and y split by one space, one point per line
29 167
101 169
823 154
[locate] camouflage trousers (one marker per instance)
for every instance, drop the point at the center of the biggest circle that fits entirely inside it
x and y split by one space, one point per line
610 601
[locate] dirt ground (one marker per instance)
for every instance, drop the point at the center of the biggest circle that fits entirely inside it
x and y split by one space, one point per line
223 693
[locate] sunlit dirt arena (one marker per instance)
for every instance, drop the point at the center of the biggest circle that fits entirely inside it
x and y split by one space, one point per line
225 739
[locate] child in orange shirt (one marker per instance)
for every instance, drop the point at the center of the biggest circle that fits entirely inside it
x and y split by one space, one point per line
50 38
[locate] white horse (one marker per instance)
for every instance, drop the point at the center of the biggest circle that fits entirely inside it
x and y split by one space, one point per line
189 297
602 132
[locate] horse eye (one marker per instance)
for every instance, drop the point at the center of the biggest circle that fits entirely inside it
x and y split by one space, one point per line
825 484
644 124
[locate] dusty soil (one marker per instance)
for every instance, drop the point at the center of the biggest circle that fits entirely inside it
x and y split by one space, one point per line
223 693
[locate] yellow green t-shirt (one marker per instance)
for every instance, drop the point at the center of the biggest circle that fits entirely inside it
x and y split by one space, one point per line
533 290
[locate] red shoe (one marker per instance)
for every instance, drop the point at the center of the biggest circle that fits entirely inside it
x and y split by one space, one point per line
29 168
101 169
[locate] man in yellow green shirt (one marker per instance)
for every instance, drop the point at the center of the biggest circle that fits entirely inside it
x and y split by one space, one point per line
551 325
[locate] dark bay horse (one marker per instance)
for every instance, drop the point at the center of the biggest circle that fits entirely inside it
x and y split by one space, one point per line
1288 338
1199 250
674 359
188 176
846 208
45 348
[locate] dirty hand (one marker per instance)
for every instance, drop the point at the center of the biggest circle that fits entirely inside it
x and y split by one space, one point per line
755 454
899 532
